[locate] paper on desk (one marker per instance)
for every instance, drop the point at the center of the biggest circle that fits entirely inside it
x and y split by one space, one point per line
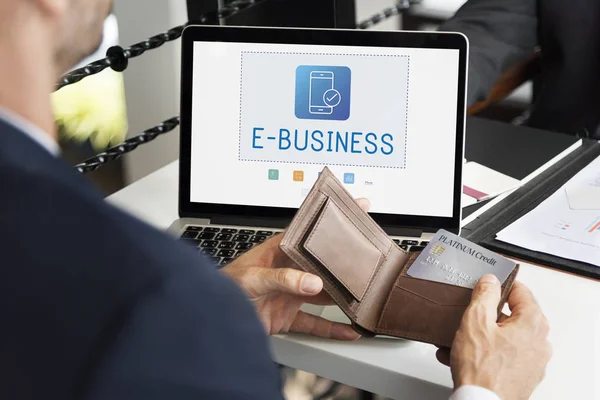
566 224
481 183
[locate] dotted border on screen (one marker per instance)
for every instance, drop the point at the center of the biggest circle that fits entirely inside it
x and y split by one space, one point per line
323 54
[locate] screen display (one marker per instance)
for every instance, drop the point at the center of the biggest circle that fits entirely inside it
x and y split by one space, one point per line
266 119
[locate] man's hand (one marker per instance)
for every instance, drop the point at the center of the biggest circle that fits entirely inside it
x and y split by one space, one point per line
507 357
278 290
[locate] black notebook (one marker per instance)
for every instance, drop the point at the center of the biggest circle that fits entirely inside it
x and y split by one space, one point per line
483 229
520 152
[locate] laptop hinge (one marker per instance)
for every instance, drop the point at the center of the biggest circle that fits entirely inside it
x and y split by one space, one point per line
398 231
249 221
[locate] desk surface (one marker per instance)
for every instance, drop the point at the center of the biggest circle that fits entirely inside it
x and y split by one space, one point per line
402 369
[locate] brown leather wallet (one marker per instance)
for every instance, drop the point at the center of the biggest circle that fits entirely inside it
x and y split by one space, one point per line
364 271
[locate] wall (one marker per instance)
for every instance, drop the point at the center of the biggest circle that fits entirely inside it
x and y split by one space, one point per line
152 80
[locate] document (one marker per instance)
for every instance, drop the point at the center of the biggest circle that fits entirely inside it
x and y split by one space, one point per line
481 183
567 224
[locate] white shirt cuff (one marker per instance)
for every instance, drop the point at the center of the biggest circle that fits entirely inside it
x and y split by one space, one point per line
473 393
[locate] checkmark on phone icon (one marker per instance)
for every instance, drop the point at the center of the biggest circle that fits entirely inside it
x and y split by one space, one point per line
332 98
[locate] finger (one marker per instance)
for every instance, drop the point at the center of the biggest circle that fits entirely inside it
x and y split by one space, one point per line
364 204
443 356
262 281
320 327
485 299
322 299
521 299
503 318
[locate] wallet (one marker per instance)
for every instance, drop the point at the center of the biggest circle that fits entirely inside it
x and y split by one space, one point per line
364 271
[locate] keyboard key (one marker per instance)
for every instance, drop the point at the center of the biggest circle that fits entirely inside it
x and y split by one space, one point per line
209 252
189 235
404 247
209 244
212 230
414 249
257 239
223 236
226 261
239 253
243 246
410 242
247 232
241 238
396 241
216 260
193 228
265 233
207 236
227 245
229 230
424 243
226 253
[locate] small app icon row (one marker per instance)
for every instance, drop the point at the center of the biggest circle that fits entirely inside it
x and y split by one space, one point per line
298 176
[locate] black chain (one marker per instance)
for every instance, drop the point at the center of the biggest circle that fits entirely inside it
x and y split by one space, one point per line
387 13
117 58
113 153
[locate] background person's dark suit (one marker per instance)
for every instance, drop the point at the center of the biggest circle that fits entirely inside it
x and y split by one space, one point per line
500 32
96 305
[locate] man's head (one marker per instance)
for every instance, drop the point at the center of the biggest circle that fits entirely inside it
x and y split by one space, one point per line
78 26
71 29
39 41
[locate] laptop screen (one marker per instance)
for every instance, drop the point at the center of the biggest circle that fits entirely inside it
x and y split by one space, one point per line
267 117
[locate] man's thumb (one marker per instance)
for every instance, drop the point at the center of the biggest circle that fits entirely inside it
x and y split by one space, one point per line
288 280
486 297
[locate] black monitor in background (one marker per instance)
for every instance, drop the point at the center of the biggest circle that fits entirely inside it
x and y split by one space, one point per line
339 14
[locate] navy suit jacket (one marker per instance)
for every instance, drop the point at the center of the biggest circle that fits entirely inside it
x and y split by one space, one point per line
96 305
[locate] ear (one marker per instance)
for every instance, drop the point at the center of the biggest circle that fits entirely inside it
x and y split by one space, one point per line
53 8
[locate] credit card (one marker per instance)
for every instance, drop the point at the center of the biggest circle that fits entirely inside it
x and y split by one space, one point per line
453 260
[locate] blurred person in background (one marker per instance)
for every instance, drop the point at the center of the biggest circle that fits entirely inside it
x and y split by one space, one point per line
502 32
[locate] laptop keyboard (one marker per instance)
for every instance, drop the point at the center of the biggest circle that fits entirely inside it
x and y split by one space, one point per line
223 245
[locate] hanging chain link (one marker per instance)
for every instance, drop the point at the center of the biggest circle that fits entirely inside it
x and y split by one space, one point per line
389 12
117 58
113 153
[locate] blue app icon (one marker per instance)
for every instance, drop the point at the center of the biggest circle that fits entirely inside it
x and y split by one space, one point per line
349 178
323 92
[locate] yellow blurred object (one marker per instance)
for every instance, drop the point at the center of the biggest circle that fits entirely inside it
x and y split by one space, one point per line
93 108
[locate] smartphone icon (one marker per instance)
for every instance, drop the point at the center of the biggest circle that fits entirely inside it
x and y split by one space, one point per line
320 83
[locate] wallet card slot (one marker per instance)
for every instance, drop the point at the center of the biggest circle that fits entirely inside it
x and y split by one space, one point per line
412 316
439 293
343 250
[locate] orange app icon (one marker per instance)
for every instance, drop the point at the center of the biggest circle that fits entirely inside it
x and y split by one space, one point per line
298 176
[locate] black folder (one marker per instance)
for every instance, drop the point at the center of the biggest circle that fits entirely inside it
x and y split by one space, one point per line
517 151
484 228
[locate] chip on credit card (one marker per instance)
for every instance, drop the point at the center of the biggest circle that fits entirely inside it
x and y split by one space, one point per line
453 260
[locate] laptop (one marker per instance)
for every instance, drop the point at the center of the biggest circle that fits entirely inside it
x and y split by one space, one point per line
264 110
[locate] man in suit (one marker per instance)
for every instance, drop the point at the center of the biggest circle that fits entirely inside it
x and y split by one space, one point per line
501 32
96 305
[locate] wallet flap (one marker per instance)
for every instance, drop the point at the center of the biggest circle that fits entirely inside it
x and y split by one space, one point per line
343 249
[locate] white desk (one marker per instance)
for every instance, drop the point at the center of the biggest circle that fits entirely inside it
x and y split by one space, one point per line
408 370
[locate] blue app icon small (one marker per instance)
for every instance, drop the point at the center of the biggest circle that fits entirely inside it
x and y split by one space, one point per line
323 92
349 178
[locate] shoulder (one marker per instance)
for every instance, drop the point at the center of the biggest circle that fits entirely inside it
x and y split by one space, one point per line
189 339
143 314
